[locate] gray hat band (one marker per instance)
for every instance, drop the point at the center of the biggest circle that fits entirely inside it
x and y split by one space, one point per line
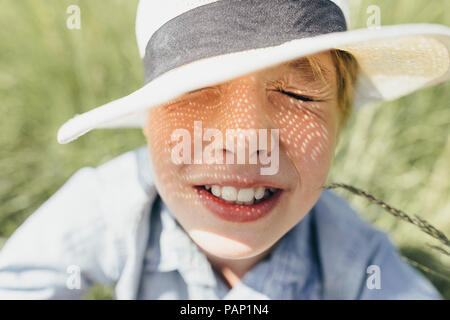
228 26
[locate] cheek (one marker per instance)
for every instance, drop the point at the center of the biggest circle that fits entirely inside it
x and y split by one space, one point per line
307 134
161 123
164 120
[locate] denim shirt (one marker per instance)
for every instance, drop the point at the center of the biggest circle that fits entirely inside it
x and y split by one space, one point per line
108 225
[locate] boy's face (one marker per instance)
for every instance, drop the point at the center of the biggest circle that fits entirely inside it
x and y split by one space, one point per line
286 97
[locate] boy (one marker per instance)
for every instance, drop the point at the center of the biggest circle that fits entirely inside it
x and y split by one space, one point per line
189 217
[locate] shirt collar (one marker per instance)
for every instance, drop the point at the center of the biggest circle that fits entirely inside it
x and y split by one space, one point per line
175 250
292 264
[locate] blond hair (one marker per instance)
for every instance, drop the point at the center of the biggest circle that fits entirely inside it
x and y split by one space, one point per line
346 75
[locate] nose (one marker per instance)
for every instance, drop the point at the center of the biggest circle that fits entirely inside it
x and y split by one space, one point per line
242 100
242 120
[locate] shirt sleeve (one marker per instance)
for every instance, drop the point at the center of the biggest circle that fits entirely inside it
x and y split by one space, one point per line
390 277
62 248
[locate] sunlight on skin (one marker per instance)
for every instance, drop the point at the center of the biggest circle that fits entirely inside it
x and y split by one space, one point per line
308 131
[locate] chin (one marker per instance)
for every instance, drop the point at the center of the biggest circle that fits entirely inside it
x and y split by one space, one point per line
225 247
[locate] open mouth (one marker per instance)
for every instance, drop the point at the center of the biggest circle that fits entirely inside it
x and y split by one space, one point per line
245 197
238 204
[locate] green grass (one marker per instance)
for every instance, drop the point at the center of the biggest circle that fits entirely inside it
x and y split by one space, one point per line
399 151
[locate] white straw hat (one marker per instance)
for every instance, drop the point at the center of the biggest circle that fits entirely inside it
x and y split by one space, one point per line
191 44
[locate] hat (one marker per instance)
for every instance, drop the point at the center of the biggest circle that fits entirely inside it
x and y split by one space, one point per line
190 44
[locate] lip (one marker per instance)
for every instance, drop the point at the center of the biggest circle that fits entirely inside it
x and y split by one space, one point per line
237 213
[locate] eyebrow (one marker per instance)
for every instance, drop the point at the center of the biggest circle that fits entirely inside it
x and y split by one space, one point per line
306 70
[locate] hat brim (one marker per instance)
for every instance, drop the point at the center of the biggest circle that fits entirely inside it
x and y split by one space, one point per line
394 61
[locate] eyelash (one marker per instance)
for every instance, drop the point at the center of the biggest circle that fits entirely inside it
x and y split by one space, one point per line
296 96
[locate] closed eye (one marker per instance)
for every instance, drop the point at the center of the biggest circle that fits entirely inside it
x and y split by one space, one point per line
296 96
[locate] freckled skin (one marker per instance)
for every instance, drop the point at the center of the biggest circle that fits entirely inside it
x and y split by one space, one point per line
308 133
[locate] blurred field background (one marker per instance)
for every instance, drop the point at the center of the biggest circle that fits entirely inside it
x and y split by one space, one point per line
398 151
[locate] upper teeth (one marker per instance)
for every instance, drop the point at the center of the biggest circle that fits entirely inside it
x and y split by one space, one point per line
246 196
